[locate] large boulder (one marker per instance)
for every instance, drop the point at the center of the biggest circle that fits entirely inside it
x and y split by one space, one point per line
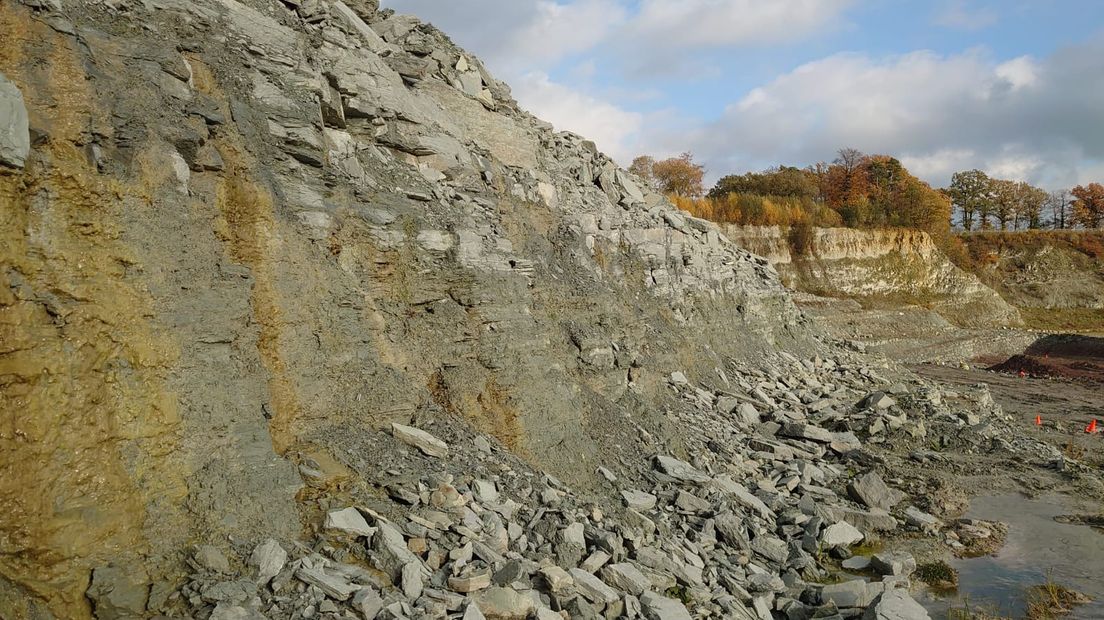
871 490
895 604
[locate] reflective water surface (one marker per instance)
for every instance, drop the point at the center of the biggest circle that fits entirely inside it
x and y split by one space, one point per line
1073 555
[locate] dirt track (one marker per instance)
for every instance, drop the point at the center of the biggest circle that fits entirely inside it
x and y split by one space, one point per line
1066 406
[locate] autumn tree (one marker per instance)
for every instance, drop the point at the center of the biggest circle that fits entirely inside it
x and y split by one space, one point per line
781 181
1088 205
644 167
969 192
1029 205
1059 203
1004 201
679 176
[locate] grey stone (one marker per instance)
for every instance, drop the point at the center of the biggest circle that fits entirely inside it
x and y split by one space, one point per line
269 559
593 588
771 548
920 519
212 559
893 563
349 520
333 585
485 491
841 534
574 534
355 22
895 604
748 414
806 431
412 581
681 470
740 493
390 551
872 491
875 520
877 400
557 578
854 593
504 603
236 592
118 593
368 602
395 27
509 573
472 612
470 583
732 530
765 582
658 607
227 611
626 577
638 500
15 136
688 502
595 560
420 439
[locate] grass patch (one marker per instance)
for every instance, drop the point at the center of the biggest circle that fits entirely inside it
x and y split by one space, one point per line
1064 319
679 592
1052 600
1073 451
939 575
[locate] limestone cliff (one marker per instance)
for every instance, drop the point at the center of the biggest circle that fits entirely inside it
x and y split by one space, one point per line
880 266
1055 278
241 236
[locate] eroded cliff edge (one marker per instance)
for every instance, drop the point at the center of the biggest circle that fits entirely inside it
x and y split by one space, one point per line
880 267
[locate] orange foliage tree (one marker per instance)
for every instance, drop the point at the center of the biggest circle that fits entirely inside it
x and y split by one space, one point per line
679 176
1088 205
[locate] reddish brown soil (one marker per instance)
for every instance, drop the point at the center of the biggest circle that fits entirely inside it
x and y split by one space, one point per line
1072 357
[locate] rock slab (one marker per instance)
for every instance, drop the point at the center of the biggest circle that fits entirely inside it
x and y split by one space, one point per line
15 136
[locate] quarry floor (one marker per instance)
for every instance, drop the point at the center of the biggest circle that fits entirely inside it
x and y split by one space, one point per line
1062 384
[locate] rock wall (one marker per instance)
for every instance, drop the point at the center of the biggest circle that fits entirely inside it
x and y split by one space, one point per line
1042 269
878 266
239 238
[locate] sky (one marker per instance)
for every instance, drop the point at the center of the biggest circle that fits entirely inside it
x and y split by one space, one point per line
1013 87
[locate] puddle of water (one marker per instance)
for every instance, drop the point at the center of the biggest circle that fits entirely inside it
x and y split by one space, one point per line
1036 544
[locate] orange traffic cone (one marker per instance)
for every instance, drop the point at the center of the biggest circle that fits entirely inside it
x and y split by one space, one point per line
1038 420
1091 428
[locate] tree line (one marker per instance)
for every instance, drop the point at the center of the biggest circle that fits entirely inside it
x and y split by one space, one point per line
985 203
855 190
858 190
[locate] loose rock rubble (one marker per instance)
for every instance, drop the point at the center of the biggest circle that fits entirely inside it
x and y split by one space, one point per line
742 529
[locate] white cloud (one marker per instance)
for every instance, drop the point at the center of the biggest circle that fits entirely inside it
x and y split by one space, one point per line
513 36
959 15
704 23
612 128
1023 118
940 164
560 30
1019 72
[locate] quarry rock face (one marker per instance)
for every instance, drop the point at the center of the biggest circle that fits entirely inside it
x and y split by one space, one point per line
904 265
253 234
